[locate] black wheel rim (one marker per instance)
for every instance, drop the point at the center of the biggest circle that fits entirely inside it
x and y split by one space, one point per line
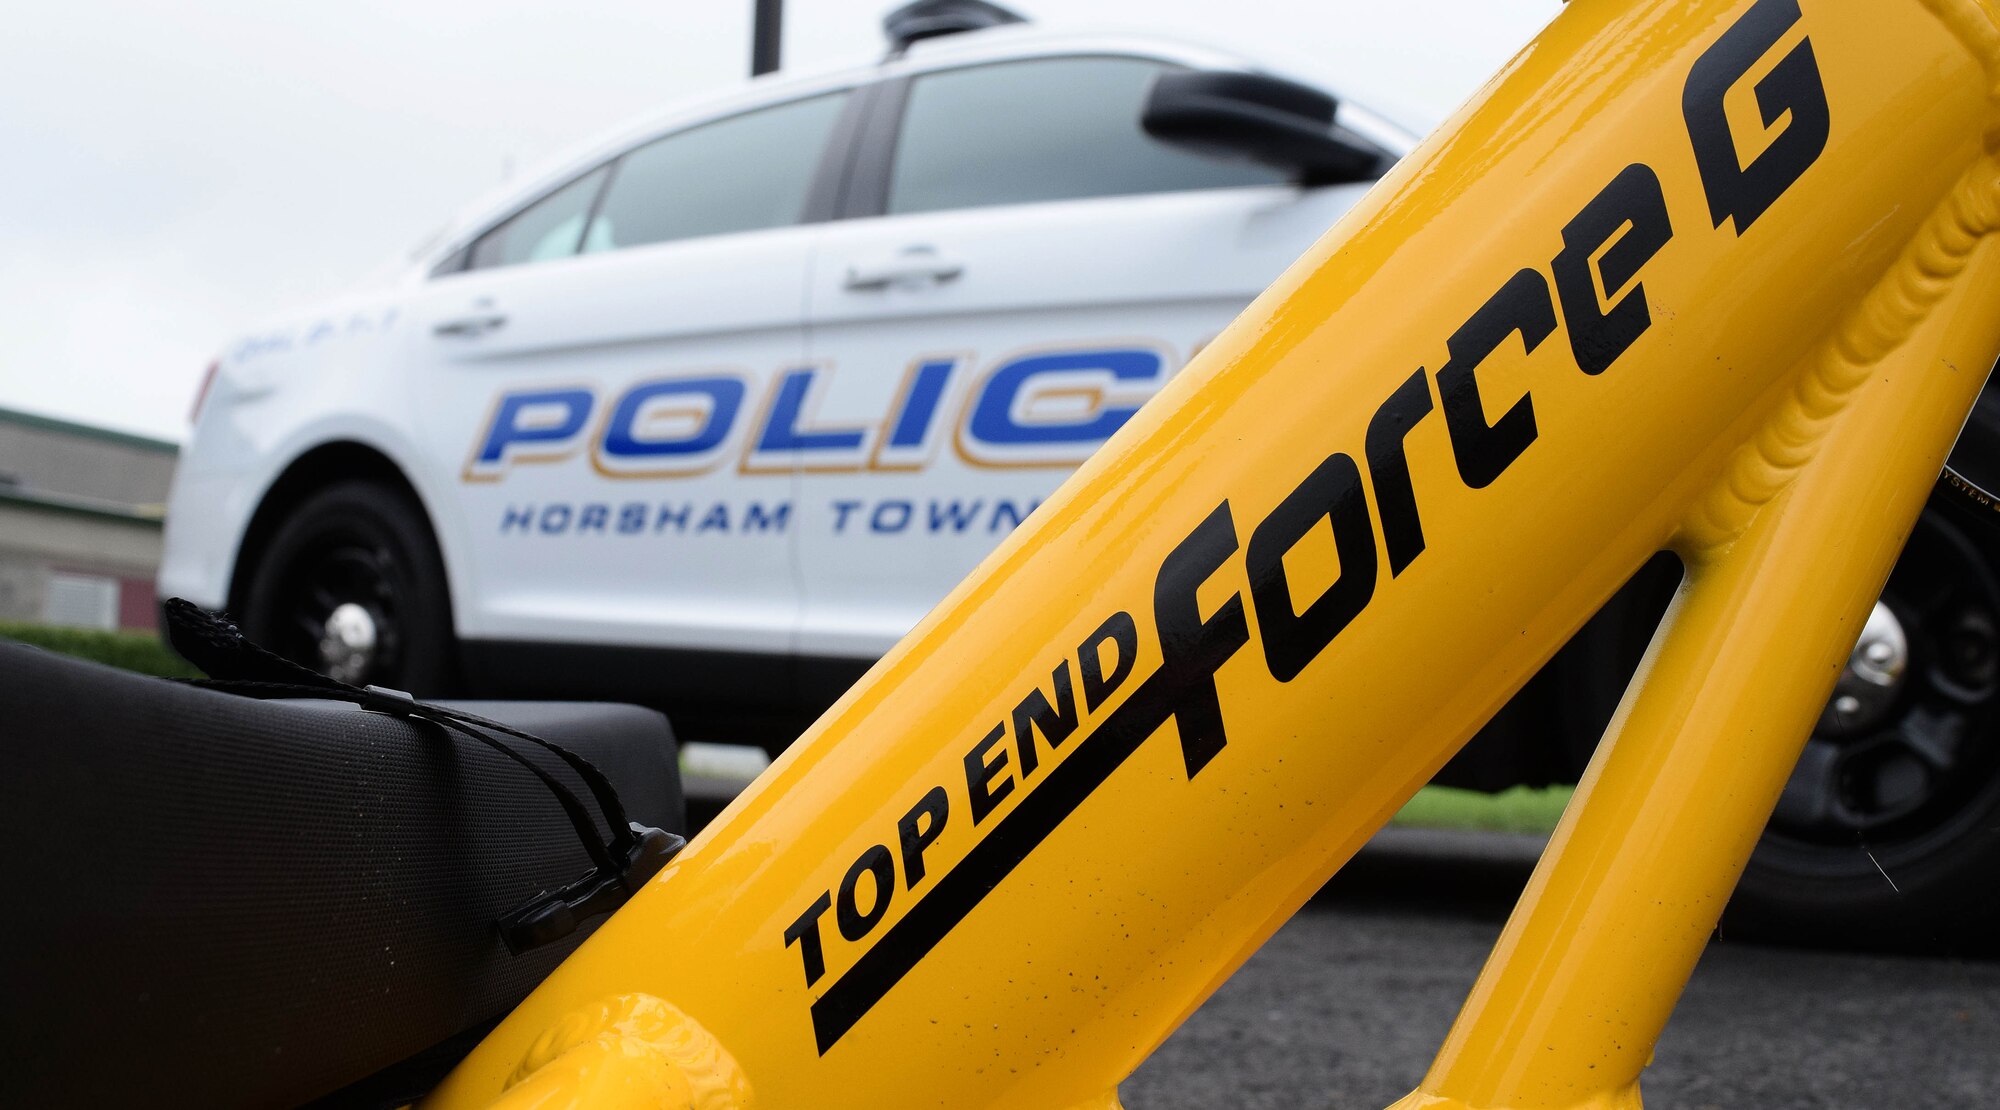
335 568
1897 784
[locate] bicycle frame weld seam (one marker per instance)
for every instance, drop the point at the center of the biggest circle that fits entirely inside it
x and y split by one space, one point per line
1976 26
1885 319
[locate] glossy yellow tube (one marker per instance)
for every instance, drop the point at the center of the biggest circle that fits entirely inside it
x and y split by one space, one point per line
1152 723
1588 971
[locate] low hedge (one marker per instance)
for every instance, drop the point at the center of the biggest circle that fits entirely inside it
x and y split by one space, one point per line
133 651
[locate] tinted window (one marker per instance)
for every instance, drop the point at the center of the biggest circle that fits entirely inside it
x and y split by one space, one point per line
1050 129
549 228
736 174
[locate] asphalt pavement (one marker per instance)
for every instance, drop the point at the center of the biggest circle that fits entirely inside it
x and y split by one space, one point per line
1347 1003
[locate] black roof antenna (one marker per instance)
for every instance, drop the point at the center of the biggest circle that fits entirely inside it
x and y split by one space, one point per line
767 24
928 19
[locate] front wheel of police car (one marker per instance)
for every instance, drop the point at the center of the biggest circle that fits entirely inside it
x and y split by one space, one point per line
1888 834
351 584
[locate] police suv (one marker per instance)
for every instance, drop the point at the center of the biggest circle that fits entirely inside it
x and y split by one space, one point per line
710 416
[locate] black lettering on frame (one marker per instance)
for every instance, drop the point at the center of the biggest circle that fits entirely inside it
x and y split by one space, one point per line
1484 451
1056 722
854 921
915 835
1635 205
805 933
1793 88
1389 468
979 775
1192 648
1293 639
1120 632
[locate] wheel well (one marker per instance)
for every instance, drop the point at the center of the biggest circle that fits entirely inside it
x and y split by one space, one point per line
309 473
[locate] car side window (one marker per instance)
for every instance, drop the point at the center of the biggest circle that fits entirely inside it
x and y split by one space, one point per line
1041 130
552 227
741 173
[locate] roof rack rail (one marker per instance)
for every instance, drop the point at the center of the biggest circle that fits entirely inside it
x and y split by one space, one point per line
929 19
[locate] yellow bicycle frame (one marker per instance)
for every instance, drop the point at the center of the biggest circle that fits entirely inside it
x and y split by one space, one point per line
1709 275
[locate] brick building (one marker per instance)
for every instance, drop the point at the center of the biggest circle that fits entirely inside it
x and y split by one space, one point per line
80 516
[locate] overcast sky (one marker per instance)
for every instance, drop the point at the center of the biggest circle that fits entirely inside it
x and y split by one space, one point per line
174 172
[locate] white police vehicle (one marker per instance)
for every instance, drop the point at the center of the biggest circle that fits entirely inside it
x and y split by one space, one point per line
710 416
757 381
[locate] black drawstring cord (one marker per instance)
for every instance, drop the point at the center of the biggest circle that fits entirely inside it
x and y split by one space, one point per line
635 854
377 699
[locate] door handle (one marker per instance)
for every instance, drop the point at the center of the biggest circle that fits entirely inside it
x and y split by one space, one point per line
910 266
469 326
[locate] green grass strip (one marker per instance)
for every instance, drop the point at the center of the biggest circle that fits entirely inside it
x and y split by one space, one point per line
133 651
1523 809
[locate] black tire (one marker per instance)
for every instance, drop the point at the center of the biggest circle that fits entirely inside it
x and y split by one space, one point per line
361 544
1889 832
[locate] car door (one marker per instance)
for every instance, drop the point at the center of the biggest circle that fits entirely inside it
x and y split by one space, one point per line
1037 267
586 380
